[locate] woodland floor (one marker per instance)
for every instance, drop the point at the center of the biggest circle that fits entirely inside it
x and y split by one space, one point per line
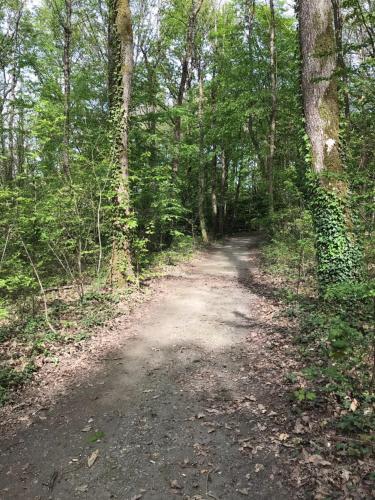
185 398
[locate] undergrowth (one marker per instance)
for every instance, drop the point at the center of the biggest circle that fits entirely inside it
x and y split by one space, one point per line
26 338
336 332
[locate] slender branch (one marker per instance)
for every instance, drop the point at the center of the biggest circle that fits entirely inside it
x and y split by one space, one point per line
42 291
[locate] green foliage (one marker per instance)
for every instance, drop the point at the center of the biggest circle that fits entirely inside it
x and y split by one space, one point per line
11 378
290 251
338 252
97 436
304 395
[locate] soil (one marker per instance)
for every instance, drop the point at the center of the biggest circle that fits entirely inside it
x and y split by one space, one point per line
186 400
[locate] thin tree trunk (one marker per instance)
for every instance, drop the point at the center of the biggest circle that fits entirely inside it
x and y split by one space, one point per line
214 204
201 174
67 70
339 258
113 57
237 195
214 210
3 159
21 141
196 6
224 184
337 17
11 170
272 137
41 287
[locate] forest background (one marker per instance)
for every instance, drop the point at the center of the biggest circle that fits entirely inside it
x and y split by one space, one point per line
217 141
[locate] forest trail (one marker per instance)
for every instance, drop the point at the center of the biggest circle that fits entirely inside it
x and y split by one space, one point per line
190 406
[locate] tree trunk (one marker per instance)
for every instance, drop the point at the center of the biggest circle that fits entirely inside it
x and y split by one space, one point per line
214 204
214 210
337 251
223 201
66 65
337 16
272 137
237 195
113 57
201 174
122 269
196 6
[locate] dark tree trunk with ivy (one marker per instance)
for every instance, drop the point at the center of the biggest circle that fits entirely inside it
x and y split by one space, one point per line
122 270
337 250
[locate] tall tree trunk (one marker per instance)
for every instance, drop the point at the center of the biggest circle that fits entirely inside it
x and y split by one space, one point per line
67 70
337 16
9 94
272 137
151 88
11 170
21 141
3 159
214 209
224 185
337 251
237 195
214 203
201 174
113 57
122 269
196 6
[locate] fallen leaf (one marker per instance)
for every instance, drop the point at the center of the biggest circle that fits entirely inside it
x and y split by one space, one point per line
316 460
244 491
82 489
283 436
175 485
87 428
354 405
345 474
92 458
259 467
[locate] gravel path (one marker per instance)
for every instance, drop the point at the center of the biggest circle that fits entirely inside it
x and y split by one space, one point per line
188 407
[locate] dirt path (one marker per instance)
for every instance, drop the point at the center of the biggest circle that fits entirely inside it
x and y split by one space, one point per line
190 406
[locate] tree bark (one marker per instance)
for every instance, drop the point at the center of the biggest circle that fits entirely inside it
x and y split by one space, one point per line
337 17
338 255
122 269
237 195
272 136
214 209
196 6
319 86
224 185
201 174
214 202
113 57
